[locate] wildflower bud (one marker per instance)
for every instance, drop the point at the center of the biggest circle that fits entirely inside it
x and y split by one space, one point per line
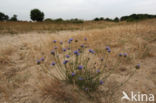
85 39
137 66
55 47
102 59
53 63
38 62
53 52
98 71
120 54
82 46
76 40
61 42
64 49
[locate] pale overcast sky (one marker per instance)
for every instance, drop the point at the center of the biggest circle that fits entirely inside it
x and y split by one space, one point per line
83 9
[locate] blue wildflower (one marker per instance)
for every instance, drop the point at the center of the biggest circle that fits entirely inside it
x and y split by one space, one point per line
67 56
42 59
82 46
101 82
98 71
120 54
73 74
53 63
55 47
91 51
108 49
80 67
64 49
65 61
76 52
125 54
54 41
80 78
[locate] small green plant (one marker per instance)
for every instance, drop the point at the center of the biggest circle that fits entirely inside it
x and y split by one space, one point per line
80 66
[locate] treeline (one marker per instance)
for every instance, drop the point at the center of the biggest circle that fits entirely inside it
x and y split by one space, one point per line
38 16
130 18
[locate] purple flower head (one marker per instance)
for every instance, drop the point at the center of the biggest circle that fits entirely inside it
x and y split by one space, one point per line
64 49
98 71
38 62
108 49
42 59
80 78
91 51
61 42
85 39
80 67
54 41
86 89
76 52
67 56
82 46
55 47
125 54
70 40
65 61
137 66
53 63
68 48
53 52
120 54
101 82
73 74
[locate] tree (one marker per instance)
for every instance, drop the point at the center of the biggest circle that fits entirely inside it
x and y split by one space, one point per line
116 19
36 15
3 16
13 18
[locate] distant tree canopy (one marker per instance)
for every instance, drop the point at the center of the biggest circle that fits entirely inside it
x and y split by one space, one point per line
3 17
60 20
13 18
135 17
36 15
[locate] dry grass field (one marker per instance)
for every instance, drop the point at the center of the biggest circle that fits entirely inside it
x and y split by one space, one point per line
21 80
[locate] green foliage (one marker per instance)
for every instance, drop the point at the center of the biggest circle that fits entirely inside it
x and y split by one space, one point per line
81 67
36 15
3 16
136 17
13 18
